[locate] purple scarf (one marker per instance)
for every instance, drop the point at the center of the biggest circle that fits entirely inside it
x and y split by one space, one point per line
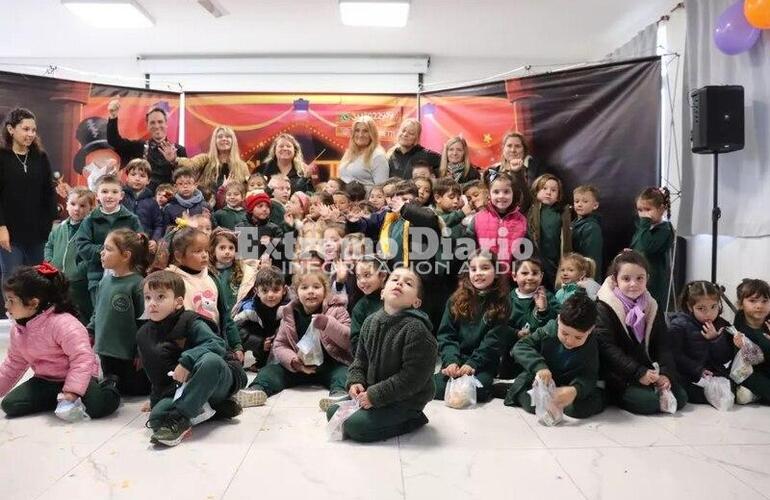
634 312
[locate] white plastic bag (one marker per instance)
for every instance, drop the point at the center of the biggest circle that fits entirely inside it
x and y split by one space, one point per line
748 356
71 411
344 410
460 392
718 392
206 411
309 347
546 412
667 401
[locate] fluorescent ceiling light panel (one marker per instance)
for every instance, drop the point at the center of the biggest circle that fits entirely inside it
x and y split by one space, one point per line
111 13
389 14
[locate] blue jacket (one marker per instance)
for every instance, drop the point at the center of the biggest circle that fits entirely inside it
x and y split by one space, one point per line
173 210
144 206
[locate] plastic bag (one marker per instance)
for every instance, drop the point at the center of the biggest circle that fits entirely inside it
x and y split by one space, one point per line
460 392
667 401
71 411
718 392
309 347
748 355
344 410
206 411
546 412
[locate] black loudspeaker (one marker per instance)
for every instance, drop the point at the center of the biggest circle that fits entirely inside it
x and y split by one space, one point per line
717 119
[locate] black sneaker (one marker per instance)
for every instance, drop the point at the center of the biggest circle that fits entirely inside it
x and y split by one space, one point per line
174 428
226 409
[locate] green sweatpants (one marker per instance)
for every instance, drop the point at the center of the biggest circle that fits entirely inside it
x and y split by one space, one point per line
274 378
643 400
483 394
377 424
759 383
210 380
591 404
38 395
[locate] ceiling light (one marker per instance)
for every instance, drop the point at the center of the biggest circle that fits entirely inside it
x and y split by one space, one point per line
111 13
381 13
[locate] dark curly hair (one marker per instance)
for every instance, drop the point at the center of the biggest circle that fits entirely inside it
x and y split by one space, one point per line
28 283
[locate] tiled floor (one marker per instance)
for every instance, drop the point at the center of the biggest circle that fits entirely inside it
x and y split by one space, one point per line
281 451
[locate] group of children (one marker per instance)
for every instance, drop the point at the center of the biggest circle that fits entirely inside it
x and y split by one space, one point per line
169 309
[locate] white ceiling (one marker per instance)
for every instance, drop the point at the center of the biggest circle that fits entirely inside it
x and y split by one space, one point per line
531 30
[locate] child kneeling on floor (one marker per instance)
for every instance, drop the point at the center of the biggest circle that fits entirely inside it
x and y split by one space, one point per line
392 374
563 351
179 346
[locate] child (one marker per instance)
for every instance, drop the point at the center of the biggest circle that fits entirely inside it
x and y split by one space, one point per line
654 238
352 249
296 211
60 250
187 200
117 309
389 189
356 191
325 312
370 274
500 225
227 269
633 338
139 199
753 321
110 215
422 169
334 185
201 222
586 229
549 225
232 213
575 272
700 344
341 201
332 243
377 197
477 194
182 343
163 195
258 215
392 374
474 321
280 187
424 190
563 351
256 182
257 316
46 336
203 295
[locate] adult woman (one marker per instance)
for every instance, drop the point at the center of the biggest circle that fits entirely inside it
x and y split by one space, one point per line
364 159
158 150
222 164
408 150
515 159
455 161
285 157
27 195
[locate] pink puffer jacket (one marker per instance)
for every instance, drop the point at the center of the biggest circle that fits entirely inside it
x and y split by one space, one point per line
499 234
56 346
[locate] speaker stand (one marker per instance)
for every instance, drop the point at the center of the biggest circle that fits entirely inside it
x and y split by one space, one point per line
716 214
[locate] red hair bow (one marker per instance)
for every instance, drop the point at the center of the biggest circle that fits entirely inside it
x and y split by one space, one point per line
47 269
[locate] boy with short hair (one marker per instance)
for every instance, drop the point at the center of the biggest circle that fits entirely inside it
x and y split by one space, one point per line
258 207
188 197
422 168
280 187
163 195
232 213
182 343
563 351
61 251
140 200
447 195
587 239
392 373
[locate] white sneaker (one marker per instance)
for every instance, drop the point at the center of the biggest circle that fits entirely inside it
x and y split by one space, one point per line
250 397
744 396
333 399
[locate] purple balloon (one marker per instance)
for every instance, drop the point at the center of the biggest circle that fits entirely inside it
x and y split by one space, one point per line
733 34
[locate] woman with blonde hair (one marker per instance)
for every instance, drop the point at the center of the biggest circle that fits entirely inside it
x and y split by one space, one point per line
364 159
455 161
408 150
220 165
285 157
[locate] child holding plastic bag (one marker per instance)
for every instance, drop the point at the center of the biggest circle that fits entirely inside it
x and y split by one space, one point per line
699 340
324 317
564 352
473 322
753 321
632 337
391 377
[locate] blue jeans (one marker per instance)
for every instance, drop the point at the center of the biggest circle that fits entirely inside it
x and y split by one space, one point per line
20 255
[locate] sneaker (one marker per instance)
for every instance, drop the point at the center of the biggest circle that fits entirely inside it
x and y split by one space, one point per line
247 398
333 399
226 409
173 430
744 396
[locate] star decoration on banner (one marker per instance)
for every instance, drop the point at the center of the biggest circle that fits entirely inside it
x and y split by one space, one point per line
487 139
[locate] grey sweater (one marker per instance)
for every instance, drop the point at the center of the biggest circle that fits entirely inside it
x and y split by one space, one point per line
375 173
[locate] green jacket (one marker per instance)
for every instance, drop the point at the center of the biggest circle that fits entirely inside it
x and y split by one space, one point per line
229 217
60 251
475 343
578 367
223 278
453 221
119 304
395 359
90 237
587 240
277 212
365 307
655 243
523 312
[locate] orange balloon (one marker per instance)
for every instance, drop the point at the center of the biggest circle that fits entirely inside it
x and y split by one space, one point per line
757 13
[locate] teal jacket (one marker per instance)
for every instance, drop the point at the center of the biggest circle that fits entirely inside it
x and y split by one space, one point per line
90 237
60 250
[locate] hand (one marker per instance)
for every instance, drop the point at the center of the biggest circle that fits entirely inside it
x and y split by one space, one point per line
738 340
516 164
321 321
268 343
541 304
707 373
564 396
544 375
5 239
710 332
466 370
451 370
113 107
300 367
467 208
239 356
137 363
69 396
363 401
397 204
342 271
663 383
288 219
62 188
180 374
355 390
152 245
145 407
650 377
169 151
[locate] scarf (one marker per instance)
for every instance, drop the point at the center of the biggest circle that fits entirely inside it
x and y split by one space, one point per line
456 170
197 197
634 312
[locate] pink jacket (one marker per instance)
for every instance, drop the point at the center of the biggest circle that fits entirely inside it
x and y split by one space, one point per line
56 346
335 338
499 234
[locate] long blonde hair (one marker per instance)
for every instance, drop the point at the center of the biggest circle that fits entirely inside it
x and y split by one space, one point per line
353 151
238 168
298 161
406 123
442 169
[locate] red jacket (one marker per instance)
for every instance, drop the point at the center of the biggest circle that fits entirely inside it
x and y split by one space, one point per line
499 233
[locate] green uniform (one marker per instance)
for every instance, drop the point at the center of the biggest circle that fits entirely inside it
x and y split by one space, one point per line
655 243
229 291
523 313
277 213
60 250
577 367
229 217
37 395
546 233
587 240
759 381
365 307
